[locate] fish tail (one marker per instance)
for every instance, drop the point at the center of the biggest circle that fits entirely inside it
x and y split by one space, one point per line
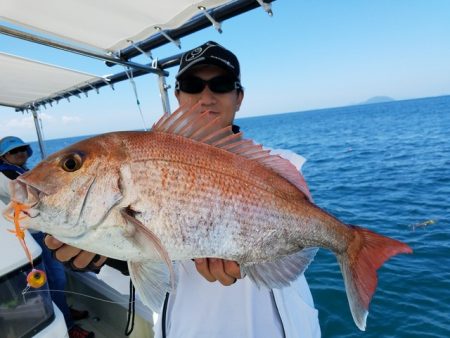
365 254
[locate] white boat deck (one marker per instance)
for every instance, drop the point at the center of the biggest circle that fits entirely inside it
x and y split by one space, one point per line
106 319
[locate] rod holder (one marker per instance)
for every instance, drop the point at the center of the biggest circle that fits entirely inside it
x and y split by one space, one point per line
135 46
217 25
267 7
163 33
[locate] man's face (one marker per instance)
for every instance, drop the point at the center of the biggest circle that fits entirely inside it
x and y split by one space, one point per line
224 105
17 156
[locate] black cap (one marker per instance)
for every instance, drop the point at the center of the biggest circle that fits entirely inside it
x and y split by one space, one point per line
210 53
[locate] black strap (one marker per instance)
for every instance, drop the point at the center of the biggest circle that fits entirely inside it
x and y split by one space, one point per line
11 174
163 317
11 171
122 266
131 310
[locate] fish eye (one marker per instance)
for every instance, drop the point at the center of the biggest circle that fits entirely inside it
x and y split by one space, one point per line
72 162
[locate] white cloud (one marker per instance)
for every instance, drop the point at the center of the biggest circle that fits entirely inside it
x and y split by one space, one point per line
20 123
46 117
70 119
25 121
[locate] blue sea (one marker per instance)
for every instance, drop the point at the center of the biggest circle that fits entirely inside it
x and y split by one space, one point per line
386 167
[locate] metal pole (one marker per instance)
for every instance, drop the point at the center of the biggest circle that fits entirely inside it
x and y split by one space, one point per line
68 48
39 133
163 90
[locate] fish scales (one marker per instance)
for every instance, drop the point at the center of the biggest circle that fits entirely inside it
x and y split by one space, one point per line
218 210
188 190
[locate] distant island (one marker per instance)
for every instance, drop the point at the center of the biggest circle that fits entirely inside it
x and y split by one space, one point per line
378 99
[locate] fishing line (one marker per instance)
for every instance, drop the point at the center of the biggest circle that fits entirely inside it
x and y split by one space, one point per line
129 73
37 278
131 313
28 291
41 125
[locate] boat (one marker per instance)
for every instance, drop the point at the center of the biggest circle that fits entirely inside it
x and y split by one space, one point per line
116 35
29 314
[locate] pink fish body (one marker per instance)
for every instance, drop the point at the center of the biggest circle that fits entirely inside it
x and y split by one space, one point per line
186 190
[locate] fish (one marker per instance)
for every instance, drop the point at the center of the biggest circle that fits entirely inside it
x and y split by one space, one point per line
189 188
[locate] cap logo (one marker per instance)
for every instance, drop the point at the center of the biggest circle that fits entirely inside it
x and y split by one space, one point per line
197 52
228 63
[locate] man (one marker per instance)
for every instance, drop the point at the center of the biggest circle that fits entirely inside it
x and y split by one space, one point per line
213 299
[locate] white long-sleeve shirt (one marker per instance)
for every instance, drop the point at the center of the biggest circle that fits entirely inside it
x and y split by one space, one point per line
5 196
200 309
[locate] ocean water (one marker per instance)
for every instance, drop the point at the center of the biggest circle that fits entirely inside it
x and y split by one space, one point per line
386 167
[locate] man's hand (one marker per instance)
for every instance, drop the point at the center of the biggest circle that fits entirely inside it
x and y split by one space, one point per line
77 258
214 269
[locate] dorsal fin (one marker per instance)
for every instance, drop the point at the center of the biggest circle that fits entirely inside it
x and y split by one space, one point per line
186 122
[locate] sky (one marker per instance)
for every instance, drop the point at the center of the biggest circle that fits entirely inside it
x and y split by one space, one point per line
311 54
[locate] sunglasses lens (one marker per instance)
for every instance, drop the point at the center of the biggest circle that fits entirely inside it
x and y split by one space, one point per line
218 84
192 85
221 84
18 150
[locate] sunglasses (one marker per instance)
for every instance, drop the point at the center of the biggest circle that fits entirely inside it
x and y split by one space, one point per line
219 84
18 150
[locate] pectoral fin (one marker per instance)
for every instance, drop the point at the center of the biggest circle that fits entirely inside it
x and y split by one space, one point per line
155 275
151 280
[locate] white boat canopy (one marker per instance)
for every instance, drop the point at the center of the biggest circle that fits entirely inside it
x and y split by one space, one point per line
37 81
109 30
114 31
107 25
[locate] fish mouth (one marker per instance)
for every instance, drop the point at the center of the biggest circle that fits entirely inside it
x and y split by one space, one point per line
26 195
24 202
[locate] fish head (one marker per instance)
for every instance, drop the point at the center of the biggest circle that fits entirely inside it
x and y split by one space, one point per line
72 190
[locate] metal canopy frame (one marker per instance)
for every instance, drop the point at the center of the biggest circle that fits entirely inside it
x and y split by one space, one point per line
202 20
66 47
160 66
197 23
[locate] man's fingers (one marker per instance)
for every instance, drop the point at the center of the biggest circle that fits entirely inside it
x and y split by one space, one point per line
76 258
232 269
52 243
99 262
203 268
217 269
66 253
83 259
88 261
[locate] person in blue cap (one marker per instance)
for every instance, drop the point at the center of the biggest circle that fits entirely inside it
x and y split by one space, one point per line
14 154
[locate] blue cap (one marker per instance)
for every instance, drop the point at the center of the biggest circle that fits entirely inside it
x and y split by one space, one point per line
11 142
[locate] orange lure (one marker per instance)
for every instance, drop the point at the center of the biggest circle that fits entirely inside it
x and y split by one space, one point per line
36 278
